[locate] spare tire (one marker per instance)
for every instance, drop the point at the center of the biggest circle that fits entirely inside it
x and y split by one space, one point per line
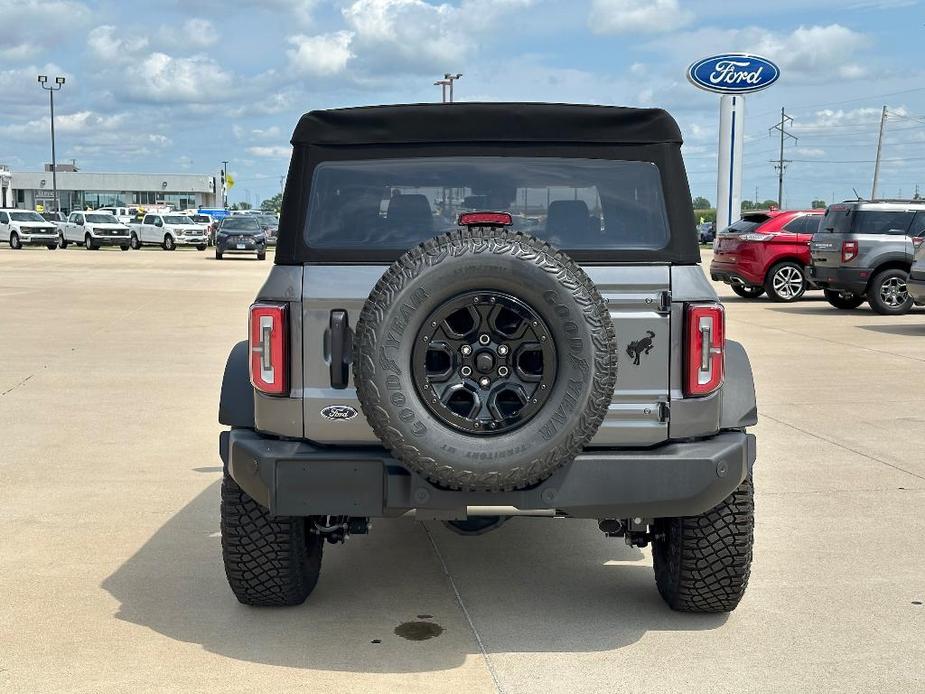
485 359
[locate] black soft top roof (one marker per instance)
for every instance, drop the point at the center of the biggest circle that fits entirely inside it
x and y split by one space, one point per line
486 122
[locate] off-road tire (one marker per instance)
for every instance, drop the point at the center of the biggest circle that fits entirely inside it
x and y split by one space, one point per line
134 243
269 561
478 260
876 301
792 269
840 301
747 292
702 563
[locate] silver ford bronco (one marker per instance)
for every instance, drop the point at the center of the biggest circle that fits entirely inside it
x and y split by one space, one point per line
479 311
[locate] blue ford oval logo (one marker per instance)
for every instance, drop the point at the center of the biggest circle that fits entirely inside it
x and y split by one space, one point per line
336 412
733 73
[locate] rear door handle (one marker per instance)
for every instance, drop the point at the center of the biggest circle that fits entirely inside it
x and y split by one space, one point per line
341 349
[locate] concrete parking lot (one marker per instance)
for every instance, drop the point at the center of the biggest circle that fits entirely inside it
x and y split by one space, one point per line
110 566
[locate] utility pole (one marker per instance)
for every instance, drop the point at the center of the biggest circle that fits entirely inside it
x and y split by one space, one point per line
59 82
873 188
780 164
224 185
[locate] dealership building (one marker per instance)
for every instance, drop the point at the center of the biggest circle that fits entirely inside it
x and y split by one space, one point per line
80 190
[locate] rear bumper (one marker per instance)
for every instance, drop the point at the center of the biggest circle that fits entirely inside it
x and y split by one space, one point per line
295 478
733 273
844 279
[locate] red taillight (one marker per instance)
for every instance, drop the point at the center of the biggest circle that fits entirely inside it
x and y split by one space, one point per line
849 250
269 346
487 219
917 241
705 343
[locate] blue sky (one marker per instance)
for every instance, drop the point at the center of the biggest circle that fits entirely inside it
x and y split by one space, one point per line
169 86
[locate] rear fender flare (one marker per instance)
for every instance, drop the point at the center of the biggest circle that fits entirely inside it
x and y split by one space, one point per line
236 403
739 408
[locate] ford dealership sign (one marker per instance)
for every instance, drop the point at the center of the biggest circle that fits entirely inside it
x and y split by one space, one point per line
733 73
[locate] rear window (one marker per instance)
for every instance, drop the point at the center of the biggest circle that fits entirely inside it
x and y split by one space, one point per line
843 219
743 226
571 203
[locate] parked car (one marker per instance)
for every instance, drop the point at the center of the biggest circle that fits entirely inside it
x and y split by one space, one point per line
270 225
94 230
207 222
26 228
123 214
168 231
485 359
766 252
863 252
240 234
707 232
57 218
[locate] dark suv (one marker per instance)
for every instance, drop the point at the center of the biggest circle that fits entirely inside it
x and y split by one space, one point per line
412 355
863 252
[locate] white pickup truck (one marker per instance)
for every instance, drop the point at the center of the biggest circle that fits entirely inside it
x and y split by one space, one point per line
168 231
24 227
93 230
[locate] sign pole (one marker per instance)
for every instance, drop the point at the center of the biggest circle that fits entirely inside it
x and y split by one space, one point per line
729 164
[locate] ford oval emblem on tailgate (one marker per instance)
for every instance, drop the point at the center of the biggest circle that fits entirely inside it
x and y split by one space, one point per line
339 412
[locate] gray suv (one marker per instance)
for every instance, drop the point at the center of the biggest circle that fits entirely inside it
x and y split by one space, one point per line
863 252
412 354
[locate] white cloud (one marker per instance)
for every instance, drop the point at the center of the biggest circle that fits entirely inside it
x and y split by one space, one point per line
320 55
637 16
106 43
416 36
28 26
200 32
162 78
809 152
270 152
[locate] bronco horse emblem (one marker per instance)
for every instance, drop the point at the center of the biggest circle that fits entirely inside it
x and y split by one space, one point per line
642 346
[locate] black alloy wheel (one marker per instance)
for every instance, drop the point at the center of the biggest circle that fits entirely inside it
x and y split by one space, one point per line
484 363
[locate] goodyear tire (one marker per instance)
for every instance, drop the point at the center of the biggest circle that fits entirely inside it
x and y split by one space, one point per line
564 310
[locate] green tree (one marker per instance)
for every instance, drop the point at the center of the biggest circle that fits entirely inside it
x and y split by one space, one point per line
273 204
241 206
701 203
819 204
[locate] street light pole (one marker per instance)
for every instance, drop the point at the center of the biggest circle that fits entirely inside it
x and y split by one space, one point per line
451 78
59 82
447 81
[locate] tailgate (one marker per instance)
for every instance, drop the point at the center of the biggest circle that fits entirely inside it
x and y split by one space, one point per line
636 298
825 249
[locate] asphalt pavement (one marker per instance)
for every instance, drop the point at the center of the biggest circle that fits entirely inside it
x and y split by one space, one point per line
110 566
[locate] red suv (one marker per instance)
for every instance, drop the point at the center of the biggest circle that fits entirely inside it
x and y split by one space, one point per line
766 252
